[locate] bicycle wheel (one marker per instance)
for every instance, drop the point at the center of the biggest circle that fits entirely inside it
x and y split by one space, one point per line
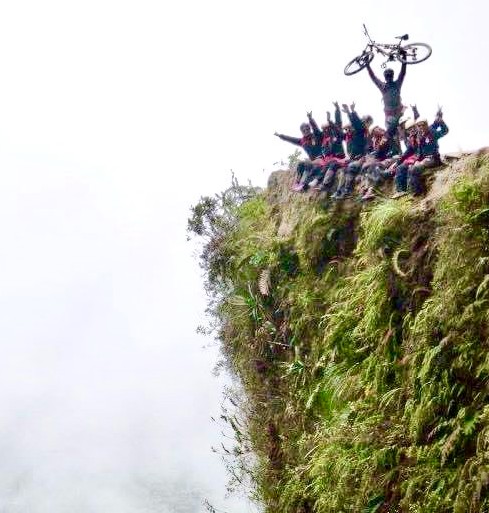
358 63
415 53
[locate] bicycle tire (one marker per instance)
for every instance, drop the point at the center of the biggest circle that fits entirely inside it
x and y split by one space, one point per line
412 51
358 63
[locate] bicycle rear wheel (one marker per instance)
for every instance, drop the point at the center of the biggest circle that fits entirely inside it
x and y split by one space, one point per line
358 63
415 53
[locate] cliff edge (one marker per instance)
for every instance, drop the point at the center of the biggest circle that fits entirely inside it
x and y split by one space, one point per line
359 334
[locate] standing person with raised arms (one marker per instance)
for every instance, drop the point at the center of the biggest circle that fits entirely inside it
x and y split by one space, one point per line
391 96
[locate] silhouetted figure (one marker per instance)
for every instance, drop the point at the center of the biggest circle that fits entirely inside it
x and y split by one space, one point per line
391 96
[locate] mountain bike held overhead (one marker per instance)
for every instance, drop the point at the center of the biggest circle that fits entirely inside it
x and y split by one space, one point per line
373 155
412 53
391 89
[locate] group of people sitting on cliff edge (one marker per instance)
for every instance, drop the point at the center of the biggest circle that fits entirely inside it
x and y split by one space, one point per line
403 150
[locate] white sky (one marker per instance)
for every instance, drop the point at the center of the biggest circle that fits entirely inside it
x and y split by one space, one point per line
114 118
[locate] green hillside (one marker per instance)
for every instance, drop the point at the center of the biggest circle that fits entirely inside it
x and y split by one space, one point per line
359 334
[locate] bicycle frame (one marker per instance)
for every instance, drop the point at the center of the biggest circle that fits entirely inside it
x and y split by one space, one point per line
412 53
389 51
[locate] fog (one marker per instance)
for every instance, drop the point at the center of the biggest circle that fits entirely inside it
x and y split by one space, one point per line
114 119
106 391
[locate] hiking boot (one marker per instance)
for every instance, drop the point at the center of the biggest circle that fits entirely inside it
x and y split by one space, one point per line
387 173
370 194
298 187
399 194
313 183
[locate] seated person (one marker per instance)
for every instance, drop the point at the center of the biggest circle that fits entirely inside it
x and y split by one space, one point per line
402 130
428 153
333 151
356 137
401 166
310 142
377 162
423 155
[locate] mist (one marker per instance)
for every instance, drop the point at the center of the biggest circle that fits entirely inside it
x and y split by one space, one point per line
106 391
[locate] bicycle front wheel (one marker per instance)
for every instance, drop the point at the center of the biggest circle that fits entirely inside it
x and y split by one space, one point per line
358 63
415 53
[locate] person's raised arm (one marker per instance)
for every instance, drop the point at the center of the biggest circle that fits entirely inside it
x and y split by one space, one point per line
293 140
402 73
442 129
439 126
414 108
337 116
375 80
346 110
355 120
313 124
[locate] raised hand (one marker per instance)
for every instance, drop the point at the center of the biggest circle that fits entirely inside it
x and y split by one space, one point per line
344 108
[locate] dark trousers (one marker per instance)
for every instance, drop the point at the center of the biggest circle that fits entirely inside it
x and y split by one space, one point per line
401 177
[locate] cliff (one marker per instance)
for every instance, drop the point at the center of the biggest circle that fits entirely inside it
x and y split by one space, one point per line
359 334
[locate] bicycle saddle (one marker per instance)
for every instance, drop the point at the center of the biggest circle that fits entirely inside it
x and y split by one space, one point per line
405 37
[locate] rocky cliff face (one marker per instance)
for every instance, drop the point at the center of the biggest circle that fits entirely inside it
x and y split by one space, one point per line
359 334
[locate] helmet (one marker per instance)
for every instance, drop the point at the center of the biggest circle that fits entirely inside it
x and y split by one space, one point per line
404 119
367 119
409 124
422 121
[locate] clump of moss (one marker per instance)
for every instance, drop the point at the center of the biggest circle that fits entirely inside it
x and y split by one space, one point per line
361 342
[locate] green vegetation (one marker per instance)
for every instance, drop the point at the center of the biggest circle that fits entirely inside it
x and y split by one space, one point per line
360 339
